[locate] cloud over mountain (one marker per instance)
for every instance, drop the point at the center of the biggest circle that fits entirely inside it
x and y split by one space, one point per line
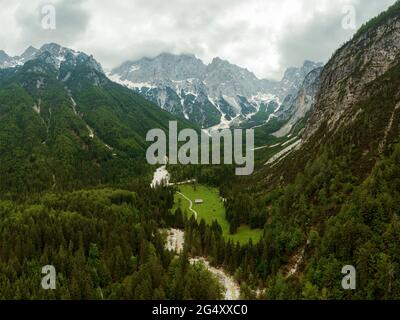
263 36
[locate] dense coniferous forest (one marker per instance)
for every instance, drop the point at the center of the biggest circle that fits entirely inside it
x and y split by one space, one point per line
104 244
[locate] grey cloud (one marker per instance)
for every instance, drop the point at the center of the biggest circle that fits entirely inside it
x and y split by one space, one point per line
317 40
321 36
255 34
71 22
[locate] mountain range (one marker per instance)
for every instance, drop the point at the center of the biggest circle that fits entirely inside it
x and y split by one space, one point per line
64 123
217 95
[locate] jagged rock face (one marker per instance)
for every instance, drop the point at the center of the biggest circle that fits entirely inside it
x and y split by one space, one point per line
10 62
164 68
5 59
295 107
29 54
206 94
53 54
67 58
356 113
223 78
71 67
293 79
359 62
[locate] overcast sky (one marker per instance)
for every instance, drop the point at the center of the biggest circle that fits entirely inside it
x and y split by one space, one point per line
265 36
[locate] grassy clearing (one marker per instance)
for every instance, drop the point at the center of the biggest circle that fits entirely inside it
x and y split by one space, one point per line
213 209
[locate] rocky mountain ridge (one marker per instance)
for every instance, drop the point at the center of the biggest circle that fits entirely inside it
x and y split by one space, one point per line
357 105
359 62
217 94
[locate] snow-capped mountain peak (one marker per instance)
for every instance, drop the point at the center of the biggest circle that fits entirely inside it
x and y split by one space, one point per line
206 94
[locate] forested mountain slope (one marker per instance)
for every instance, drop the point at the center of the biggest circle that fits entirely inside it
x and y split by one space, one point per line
356 111
64 124
333 200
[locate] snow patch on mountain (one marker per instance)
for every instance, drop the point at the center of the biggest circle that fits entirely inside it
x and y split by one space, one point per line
130 84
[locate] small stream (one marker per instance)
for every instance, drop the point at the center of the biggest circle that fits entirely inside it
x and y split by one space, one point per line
175 242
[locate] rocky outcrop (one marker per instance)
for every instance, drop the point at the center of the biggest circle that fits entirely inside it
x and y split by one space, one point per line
359 62
5 60
356 113
10 62
296 107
